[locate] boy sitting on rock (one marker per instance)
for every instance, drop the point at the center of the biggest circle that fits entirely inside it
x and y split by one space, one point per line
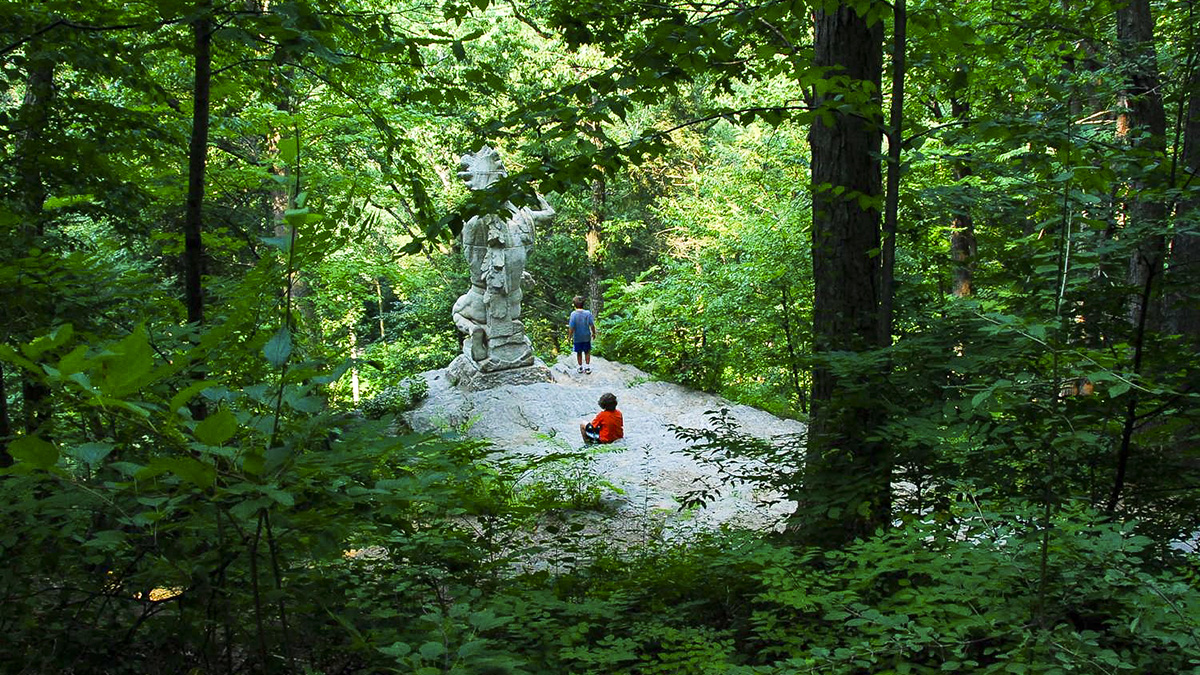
608 425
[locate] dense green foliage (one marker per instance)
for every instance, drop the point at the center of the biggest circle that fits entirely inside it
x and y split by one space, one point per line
237 494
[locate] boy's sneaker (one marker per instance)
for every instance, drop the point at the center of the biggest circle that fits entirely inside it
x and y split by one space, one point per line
579 370
587 369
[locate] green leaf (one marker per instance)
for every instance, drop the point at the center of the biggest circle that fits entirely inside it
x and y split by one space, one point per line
107 540
274 457
282 243
296 217
248 508
980 398
397 649
335 375
307 404
33 450
254 463
487 620
280 497
189 469
181 399
432 650
216 429
279 348
126 365
90 453
56 338
289 148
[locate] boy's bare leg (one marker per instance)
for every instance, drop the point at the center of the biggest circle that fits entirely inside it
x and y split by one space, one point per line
583 432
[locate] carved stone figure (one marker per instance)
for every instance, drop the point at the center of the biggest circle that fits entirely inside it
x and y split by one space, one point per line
489 313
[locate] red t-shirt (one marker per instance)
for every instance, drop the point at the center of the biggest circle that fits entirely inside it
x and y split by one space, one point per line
611 425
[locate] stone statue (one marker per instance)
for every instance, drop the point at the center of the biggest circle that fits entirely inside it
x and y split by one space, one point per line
489 313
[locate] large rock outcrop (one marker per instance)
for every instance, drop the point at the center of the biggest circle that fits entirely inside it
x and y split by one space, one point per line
646 466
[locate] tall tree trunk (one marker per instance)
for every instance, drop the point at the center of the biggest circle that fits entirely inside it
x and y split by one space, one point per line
962 231
891 209
1183 308
379 305
34 114
193 250
281 196
595 227
6 459
1143 121
595 221
1183 274
193 217
847 474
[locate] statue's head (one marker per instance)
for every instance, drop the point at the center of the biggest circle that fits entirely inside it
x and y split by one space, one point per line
482 168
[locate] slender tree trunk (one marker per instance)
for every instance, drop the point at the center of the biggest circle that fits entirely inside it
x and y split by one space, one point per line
1144 123
281 196
595 227
793 365
6 459
193 255
847 475
354 354
34 114
193 218
891 208
1125 450
1183 275
595 223
379 304
1183 309
962 232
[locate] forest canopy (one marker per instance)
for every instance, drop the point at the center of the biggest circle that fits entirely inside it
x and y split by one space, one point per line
960 242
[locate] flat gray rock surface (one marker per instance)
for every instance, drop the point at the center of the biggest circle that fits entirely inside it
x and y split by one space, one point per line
647 468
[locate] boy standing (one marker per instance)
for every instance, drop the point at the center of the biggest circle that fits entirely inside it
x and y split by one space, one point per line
581 328
608 425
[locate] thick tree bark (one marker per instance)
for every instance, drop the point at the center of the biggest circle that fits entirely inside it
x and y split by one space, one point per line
193 254
847 475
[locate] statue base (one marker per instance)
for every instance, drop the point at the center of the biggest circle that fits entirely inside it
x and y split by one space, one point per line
465 374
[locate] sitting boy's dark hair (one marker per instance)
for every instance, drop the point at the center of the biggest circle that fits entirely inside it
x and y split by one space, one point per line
608 401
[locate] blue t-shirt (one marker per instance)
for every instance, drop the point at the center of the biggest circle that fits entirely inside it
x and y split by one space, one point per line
581 322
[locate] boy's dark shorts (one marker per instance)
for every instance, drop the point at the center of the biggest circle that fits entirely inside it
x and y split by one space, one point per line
591 433
581 347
